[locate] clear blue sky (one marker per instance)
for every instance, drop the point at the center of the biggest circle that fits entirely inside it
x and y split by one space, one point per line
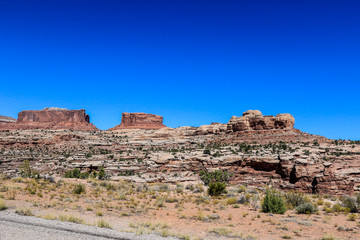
193 62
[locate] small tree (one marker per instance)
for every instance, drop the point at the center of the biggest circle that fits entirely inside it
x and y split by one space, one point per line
273 202
214 176
101 174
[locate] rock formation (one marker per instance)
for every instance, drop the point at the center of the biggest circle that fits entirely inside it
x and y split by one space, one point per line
4 119
51 118
254 120
258 150
140 121
249 121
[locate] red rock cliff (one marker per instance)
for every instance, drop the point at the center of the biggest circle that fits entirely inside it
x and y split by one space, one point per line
140 121
51 118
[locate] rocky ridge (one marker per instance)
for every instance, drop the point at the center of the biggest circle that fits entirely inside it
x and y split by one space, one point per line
274 154
4 119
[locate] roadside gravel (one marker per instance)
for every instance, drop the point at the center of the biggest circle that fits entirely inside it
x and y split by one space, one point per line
13 226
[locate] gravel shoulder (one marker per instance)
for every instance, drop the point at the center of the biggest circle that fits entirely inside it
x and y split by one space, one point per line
13 226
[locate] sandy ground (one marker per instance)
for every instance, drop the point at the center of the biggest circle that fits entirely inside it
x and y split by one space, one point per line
183 214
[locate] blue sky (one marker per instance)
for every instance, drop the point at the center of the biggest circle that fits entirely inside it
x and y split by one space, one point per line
193 62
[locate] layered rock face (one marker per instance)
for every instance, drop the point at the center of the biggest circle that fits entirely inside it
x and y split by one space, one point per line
254 120
140 121
249 121
51 118
4 119
259 150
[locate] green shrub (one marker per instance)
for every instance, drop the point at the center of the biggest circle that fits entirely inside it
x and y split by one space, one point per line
273 202
79 188
217 188
294 199
101 174
307 208
84 175
75 173
207 151
214 176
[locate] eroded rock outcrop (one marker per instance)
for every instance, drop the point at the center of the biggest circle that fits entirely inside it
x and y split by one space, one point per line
140 121
4 119
254 120
51 118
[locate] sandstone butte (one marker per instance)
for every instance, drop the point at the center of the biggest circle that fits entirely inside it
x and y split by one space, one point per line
50 118
140 121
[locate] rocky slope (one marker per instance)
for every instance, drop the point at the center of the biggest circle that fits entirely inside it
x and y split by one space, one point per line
4 119
51 118
281 156
140 121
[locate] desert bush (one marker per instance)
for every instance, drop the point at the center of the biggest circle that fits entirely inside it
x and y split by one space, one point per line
307 208
217 188
336 207
24 212
244 199
214 176
351 202
242 189
71 218
2 205
231 201
79 188
294 199
352 217
26 171
273 202
11 193
103 224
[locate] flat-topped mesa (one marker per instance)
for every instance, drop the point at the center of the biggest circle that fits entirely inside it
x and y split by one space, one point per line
51 118
140 121
254 120
4 119
48 115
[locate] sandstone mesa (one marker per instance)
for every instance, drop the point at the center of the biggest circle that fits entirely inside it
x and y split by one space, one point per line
140 121
51 118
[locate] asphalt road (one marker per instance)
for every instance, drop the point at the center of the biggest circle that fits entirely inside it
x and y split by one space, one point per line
16 227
